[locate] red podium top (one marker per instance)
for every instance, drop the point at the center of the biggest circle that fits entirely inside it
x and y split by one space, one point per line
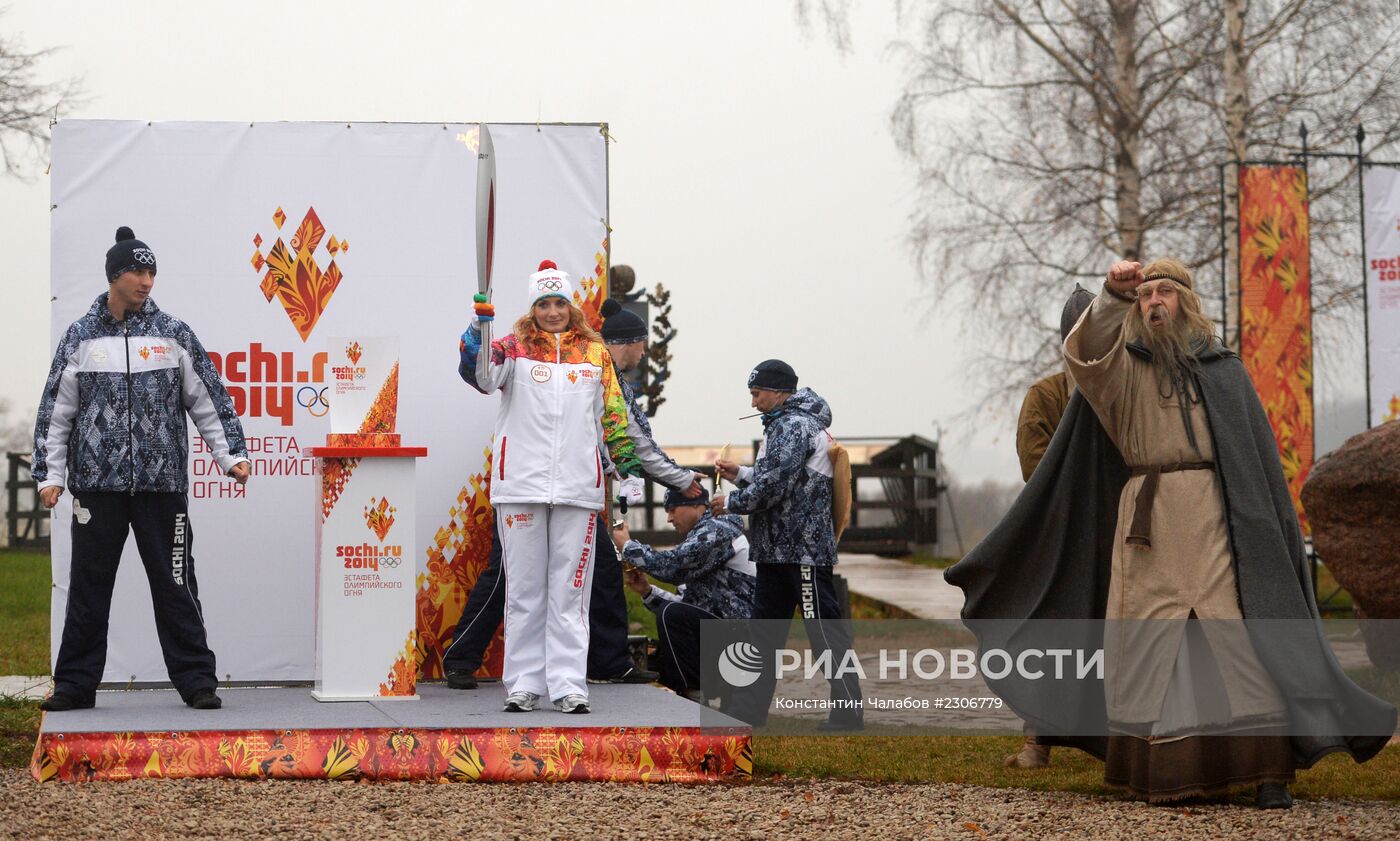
367 452
366 445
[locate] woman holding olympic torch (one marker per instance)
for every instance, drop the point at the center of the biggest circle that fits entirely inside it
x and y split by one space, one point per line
547 482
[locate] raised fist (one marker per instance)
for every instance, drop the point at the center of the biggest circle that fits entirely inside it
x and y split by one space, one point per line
1124 277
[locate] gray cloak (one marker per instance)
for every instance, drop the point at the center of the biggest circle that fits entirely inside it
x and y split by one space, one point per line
1050 558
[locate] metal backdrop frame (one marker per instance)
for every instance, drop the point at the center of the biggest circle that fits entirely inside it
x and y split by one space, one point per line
1301 158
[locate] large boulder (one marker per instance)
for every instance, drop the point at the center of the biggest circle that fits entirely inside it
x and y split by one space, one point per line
1352 498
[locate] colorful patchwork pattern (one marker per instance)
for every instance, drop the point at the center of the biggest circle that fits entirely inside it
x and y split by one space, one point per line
660 755
384 413
1276 311
335 472
403 675
457 555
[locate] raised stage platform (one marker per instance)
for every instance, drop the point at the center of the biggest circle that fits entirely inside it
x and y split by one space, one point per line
634 734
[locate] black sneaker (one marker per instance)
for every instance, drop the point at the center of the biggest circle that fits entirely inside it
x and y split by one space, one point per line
460 679
63 703
1273 796
205 699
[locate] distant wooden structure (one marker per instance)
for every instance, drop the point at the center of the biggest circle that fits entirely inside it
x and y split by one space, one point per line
894 496
27 522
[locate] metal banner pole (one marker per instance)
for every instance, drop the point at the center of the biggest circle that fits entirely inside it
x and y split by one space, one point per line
1224 272
1365 296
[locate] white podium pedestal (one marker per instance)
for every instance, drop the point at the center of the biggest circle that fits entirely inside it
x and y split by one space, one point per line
366 565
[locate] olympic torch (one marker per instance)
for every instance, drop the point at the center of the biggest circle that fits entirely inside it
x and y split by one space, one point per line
485 243
719 477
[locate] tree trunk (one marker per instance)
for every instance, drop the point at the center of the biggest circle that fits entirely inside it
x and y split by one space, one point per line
1127 128
1234 72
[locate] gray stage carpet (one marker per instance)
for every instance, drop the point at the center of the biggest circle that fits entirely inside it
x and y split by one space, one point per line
437 708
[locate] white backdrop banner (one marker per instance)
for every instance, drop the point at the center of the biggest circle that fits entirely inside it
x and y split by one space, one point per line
272 238
1383 291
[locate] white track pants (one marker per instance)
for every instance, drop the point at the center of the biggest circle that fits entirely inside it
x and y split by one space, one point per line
548 559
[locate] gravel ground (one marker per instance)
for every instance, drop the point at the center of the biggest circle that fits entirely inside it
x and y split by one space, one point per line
829 809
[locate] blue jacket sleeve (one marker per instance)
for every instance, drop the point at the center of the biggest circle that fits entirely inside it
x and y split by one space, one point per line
208 403
701 554
487 377
57 410
777 473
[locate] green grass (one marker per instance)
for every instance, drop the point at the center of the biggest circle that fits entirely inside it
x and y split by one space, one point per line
638 614
19 730
899 755
1327 586
25 581
977 760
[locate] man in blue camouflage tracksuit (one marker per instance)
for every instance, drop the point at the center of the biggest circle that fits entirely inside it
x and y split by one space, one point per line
716 580
608 661
787 495
112 429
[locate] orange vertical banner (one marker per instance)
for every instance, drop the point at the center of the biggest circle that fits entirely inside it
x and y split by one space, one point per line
1276 310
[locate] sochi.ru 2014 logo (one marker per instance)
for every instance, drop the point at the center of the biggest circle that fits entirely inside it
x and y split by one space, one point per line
523 519
379 516
740 664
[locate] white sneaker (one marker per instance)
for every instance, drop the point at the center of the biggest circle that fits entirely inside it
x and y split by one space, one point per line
520 702
572 704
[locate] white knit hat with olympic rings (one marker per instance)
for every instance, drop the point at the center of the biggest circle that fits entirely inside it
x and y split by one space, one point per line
550 281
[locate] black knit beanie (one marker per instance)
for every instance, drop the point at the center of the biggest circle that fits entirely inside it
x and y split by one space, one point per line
773 375
128 254
621 327
675 499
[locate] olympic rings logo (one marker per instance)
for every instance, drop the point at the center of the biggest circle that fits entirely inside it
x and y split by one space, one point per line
390 562
549 285
310 398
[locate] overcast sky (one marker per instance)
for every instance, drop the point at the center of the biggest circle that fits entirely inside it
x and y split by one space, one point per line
753 173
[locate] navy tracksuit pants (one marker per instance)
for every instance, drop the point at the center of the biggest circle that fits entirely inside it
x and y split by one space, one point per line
779 589
161 522
607 613
678 647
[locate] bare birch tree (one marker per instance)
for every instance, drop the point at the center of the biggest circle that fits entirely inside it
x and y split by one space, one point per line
1053 136
27 105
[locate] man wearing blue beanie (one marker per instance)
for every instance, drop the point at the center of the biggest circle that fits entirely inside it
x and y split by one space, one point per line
112 429
787 495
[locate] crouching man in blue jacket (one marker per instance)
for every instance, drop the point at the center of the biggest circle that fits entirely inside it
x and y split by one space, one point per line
716 580
112 429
